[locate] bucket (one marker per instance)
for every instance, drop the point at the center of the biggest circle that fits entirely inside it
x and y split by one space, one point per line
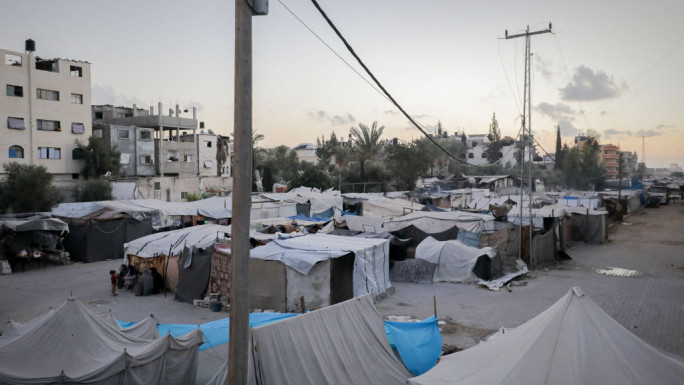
215 306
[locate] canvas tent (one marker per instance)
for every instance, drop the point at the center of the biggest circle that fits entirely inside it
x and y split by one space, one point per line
572 342
21 239
456 261
435 222
72 345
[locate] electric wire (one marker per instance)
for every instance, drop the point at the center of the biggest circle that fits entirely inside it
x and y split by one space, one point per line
331 49
572 86
389 96
503 66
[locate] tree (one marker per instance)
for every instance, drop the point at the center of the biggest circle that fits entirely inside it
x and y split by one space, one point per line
494 133
558 161
311 176
325 149
407 163
99 158
495 144
592 170
27 188
95 190
367 142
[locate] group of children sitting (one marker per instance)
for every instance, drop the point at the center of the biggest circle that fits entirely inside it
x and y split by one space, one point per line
129 278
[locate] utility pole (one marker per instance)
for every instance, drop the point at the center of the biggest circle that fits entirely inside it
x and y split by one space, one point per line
527 134
618 207
238 353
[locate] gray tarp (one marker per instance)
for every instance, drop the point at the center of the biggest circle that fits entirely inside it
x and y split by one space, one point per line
341 344
573 342
35 224
454 259
73 345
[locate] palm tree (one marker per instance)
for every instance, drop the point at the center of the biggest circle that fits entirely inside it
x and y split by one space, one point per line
367 142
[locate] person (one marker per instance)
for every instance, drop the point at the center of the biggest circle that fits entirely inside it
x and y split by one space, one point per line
123 271
114 278
158 280
147 282
131 278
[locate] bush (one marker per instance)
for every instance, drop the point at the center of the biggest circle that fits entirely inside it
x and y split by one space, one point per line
95 190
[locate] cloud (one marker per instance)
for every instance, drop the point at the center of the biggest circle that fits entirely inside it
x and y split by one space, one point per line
334 120
665 126
556 112
392 112
544 67
588 85
653 133
613 132
568 128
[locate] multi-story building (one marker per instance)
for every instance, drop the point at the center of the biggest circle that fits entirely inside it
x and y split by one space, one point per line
609 160
45 109
477 147
172 156
306 152
630 163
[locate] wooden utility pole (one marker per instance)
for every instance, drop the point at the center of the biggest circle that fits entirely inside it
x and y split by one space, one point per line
527 134
242 186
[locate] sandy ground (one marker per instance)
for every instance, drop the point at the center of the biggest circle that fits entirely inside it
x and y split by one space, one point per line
649 245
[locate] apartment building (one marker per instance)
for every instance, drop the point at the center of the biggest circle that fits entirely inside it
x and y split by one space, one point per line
477 146
609 160
45 108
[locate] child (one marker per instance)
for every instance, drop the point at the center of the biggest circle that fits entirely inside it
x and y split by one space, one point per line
114 277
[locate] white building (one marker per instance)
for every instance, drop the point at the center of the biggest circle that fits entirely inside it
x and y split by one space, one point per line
306 152
477 145
45 108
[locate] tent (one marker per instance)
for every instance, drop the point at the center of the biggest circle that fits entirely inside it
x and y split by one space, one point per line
456 262
340 344
25 239
73 345
370 263
572 342
436 222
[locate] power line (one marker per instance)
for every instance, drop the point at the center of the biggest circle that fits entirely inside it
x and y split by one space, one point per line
331 49
517 104
572 86
377 82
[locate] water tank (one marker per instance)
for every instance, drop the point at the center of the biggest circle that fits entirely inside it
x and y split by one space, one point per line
30 45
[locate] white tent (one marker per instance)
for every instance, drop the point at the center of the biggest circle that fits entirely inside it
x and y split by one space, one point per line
454 259
435 222
73 345
156 244
371 262
573 342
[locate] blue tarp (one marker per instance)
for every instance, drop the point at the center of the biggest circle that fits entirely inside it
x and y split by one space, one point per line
469 238
419 343
347 213
327 214
215 332
311 219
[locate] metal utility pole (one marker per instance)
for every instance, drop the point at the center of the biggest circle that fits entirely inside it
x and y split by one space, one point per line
242 185
527 134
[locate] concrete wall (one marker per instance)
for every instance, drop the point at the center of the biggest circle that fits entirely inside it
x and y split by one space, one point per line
171 189
314 287
30 108
137 153
185 163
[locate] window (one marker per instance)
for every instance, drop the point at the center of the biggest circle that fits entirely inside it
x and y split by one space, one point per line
147 160
76 71
97 133
77 128
12 60
474 144
172 156
471 155
145 135
208 164
16 123
16 152
98 115
47 65
74 176
15 90
49 125
184 194
77 154
207 143
76 98
187 158
124 134
49 153
157 185
47 94
484 154
124 158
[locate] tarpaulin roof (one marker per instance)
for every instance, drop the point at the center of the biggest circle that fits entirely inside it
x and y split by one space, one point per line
454 259
152 245
73 345
435 222
371 263
572 342
35 224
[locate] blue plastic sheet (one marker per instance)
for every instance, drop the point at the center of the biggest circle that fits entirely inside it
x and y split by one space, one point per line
419 343
310 219
215 332
469 238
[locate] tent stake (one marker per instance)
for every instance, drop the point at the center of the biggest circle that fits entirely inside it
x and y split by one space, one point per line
434 304
301 303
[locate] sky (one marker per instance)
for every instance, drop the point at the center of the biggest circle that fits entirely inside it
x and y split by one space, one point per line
613 67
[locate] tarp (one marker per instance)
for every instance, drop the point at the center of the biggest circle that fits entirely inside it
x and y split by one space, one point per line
371 261
193 280
573 342
340 344
199 237
35 224
73 345
435 222
455 260
419 343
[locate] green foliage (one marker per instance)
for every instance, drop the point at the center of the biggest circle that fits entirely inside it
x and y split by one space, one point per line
367 143
191 197
95 190
311 176
558 161
99 158
325 149
407 163
27 188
